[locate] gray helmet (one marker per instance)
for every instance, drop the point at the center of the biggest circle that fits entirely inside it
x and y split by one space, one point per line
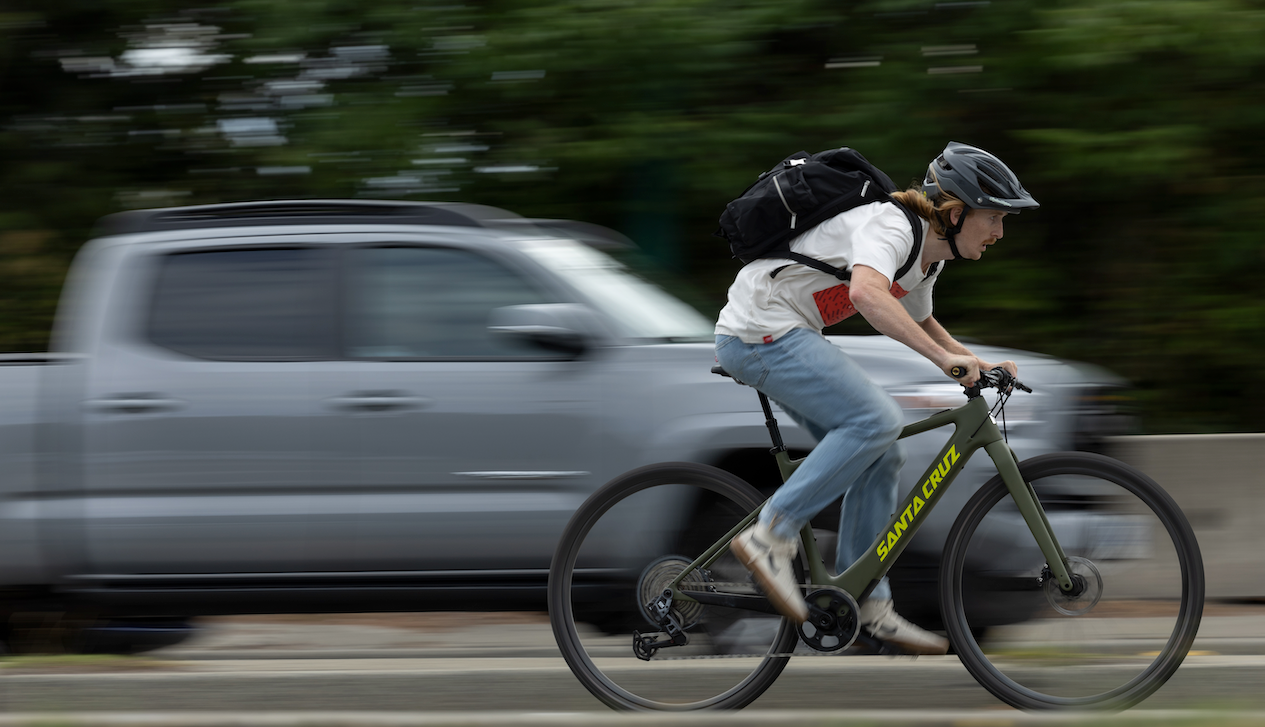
977 178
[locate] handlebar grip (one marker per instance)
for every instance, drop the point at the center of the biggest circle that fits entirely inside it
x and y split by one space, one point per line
957 372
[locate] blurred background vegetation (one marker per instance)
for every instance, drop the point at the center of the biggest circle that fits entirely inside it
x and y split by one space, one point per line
1136 124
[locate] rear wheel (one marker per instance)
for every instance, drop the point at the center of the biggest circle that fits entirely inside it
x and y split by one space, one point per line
620 551
1133 615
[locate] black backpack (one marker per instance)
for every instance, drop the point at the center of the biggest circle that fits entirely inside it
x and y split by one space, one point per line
801 192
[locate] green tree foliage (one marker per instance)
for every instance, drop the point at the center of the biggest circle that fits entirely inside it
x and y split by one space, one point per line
1132 122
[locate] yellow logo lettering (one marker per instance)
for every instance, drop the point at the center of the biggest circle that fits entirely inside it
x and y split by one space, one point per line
911 511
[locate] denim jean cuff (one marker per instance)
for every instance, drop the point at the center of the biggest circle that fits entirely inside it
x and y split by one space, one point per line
780 525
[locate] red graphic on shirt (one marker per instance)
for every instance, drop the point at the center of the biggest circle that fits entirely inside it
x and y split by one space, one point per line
835 304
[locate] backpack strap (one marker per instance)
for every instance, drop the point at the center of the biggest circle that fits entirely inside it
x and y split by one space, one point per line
814 263
846 275
917 250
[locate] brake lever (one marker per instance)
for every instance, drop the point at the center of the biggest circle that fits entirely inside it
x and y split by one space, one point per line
997 378
1006 382
1001 380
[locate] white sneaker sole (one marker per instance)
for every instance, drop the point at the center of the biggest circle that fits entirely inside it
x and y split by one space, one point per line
921 648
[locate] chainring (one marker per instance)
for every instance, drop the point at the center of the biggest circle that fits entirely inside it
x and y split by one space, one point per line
656 577
832 624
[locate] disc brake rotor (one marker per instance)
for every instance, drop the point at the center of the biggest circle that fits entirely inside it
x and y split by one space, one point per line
1090 582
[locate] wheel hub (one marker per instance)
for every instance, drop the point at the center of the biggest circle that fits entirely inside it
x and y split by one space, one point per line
655 579
1085 592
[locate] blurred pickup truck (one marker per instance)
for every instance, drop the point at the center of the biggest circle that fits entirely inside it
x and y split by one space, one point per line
311 406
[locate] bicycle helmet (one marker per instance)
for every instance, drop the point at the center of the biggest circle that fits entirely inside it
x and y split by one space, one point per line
979 179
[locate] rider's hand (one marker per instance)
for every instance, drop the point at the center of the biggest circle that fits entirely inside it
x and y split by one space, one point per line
1010 367
969 364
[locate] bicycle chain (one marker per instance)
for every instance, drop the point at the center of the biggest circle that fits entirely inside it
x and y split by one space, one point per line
809 653
713 586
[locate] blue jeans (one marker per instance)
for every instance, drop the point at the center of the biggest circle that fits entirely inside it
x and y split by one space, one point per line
855 423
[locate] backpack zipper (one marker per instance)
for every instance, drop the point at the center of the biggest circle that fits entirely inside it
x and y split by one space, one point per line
778 186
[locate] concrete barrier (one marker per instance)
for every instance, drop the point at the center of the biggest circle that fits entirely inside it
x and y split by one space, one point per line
1219 482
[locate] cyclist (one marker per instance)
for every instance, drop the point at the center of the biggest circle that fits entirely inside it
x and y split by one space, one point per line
769 336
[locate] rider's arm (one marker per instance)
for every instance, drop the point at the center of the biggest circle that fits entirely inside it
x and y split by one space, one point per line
870 293
936 332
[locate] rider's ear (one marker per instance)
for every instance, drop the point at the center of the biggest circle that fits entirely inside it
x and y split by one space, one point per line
955 215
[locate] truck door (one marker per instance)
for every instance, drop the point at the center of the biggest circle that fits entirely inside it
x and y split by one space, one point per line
208 429
475 448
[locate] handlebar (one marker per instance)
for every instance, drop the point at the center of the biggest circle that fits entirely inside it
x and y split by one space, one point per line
998 378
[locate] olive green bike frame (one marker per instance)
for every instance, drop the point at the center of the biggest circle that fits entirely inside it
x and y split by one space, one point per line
974 430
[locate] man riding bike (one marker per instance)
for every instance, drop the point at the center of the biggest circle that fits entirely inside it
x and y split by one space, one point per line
769 337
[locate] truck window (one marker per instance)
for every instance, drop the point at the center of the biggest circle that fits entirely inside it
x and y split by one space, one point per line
431 302
248 304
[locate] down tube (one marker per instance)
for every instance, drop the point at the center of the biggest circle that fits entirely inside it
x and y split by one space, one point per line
909 516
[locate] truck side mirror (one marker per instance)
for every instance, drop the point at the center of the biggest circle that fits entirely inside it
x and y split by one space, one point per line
565 328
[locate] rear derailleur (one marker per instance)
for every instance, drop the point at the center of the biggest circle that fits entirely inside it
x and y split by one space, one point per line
646 645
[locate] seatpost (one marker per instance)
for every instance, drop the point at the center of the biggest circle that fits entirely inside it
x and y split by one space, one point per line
771 423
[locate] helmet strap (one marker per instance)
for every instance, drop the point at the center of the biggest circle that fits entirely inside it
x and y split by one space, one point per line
950 232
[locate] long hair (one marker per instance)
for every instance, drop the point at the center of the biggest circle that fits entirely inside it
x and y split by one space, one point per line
936 213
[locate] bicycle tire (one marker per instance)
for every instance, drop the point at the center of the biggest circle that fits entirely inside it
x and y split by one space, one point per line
736 498
1135 544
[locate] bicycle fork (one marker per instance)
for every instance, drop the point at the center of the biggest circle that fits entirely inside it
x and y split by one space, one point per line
1033 514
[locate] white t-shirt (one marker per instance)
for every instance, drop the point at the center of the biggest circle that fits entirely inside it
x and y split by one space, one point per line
762 309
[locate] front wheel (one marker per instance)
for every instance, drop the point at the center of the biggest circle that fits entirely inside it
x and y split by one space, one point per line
624 545
1132 616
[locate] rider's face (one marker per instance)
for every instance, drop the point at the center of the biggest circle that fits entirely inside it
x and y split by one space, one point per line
980 229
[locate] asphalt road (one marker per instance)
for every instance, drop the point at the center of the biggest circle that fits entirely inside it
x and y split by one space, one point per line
487 663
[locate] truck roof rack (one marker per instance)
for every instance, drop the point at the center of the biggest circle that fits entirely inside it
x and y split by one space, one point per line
351 211
299 211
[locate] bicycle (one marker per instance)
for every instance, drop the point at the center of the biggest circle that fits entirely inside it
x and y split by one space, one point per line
1070 543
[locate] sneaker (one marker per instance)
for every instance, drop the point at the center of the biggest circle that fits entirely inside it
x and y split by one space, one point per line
880 620
769 558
